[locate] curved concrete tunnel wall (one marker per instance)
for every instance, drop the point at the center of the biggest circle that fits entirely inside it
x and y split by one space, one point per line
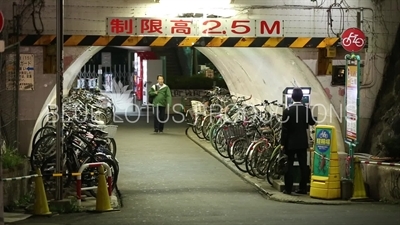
265 72
261 72
69 77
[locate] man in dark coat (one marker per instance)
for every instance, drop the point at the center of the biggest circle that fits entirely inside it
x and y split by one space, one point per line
296 120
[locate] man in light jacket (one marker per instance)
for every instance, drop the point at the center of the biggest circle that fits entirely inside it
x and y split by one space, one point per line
162 100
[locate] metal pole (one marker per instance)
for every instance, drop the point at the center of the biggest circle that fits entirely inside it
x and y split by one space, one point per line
1 185
59 92
130 70
17 80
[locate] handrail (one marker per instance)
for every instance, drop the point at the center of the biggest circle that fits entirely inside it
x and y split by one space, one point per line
79 188
18 178
380 163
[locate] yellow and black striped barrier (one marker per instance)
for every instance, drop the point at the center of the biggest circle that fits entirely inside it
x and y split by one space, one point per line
72 174
173 41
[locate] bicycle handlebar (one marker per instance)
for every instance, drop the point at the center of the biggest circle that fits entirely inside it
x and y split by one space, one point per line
243 98
275 102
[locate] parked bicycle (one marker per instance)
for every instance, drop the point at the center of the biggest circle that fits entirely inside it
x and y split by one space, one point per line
86 138
248 135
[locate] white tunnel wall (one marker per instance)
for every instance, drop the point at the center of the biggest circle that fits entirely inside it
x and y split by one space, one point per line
261 72
265 72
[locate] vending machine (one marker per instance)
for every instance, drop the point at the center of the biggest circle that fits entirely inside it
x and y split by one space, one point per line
139 57
287 96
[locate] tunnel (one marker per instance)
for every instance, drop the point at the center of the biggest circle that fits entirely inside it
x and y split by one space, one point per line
262 73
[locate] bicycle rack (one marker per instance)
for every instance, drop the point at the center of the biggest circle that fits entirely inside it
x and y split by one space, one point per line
79 188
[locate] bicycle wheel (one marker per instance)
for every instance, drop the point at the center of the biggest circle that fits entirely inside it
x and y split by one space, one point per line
238 154
198 124
261 158
213 134
271 169
189 117
42 132
45 148
221 143
100 116
195 121
205 127
109 115
248 159
112 145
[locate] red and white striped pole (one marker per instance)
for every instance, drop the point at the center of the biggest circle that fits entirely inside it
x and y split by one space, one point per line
79 179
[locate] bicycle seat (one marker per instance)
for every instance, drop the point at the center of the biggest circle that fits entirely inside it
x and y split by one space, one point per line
100 141
98 122
239 121
266 130
92 125
99 132
228 122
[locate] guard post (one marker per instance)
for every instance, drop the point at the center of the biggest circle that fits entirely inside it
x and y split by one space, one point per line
325 178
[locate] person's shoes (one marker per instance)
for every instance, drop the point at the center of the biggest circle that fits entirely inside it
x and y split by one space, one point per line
160 132
286 192
301 192
155 131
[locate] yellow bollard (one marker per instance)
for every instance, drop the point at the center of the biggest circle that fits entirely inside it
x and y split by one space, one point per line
103 203
359 192
325 178
41 207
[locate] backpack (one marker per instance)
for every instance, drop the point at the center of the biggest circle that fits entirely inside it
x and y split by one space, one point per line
151 98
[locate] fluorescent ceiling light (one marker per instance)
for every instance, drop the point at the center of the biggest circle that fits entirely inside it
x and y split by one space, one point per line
197 2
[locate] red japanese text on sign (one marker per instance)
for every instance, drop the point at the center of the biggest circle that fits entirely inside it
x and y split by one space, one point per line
121 26
181 27
151 26
196 27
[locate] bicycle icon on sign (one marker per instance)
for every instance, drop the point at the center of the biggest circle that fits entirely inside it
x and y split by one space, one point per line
353 39
323 135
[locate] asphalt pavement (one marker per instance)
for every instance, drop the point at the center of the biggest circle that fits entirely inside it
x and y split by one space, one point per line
166 179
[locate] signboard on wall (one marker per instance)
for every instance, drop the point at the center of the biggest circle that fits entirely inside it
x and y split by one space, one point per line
26 72
106 59
351 103
213 27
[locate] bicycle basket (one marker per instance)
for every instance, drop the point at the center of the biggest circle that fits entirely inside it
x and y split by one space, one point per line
234 131
215 108
110 129
198 108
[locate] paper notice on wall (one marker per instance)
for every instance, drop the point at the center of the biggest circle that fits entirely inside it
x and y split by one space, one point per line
26 72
